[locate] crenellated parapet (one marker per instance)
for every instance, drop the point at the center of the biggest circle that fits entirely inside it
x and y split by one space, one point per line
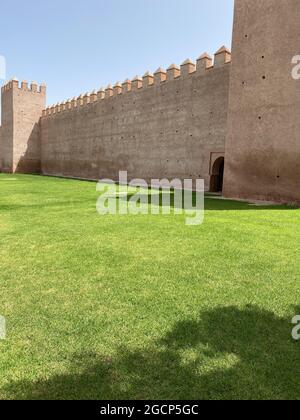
204 65
23 86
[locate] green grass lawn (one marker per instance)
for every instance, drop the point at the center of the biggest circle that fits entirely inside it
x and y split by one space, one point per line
145 307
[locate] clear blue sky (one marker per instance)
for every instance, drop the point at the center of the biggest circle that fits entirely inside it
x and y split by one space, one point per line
77 46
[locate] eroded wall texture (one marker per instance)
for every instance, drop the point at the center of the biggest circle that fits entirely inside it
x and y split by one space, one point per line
159 129
263 143
176 124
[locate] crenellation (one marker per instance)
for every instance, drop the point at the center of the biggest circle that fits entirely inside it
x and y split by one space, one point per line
187 67
24 85
74 103
118 89
160 76
43 88
126 86
173 72
222 56
204 62
93 96
109 92
148 79
86 99
15 83
80 100
68 104
137 83
34 87
101 93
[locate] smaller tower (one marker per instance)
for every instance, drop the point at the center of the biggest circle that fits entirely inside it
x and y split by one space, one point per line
22 108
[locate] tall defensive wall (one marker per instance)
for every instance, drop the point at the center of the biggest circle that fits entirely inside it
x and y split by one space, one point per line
176 123
168 125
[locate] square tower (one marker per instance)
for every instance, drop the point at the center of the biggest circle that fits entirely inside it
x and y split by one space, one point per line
263 143
22 108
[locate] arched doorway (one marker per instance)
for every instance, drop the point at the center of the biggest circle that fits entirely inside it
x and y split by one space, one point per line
217 175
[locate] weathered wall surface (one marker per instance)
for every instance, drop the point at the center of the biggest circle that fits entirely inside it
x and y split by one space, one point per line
176 124
160 128
263 144
20 135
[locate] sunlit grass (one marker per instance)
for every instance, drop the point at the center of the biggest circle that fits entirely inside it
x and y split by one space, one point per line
145 307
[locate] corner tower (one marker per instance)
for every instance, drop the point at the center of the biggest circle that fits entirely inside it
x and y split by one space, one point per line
22 108
263 142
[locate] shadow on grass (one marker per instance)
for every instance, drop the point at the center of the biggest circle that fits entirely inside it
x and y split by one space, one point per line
234 354
162 198
214 203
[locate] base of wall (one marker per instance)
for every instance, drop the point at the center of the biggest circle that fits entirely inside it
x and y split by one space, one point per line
28 166
75 178
262 199
6 171
268 200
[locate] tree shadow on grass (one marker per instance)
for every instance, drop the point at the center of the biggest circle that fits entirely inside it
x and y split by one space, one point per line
229 353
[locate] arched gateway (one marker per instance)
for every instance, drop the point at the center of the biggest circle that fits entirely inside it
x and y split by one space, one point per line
217 175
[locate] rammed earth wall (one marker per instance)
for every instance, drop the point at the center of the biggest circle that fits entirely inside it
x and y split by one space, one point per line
176 124
166 125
